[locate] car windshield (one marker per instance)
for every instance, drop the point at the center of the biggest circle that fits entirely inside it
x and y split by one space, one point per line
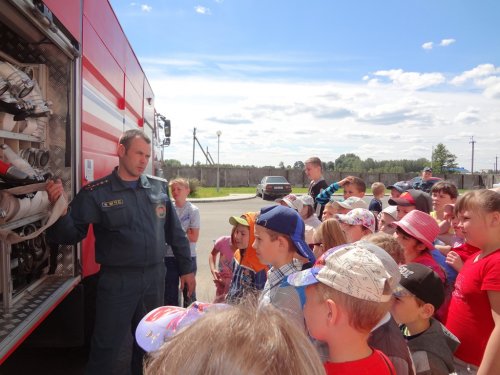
276 180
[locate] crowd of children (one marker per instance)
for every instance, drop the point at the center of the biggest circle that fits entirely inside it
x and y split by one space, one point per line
411 288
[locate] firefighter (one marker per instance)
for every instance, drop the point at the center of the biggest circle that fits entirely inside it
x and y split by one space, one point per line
132 218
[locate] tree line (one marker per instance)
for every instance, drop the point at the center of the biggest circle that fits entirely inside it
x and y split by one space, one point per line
443 161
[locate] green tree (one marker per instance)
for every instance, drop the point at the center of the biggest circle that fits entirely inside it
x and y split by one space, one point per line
443 160
281 165
349 163
298 165
172 163
330 166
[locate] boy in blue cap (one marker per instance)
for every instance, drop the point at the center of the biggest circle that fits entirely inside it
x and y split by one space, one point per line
279 241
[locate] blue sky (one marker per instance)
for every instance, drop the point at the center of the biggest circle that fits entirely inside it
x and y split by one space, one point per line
285 80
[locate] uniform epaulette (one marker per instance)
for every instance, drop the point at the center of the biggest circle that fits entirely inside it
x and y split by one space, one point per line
156 178
91 186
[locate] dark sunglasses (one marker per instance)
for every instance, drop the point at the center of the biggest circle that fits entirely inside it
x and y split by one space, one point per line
311 245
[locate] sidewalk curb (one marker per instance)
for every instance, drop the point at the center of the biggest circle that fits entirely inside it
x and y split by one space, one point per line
229 198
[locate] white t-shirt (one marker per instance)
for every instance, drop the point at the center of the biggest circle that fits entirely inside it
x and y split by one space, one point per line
189 216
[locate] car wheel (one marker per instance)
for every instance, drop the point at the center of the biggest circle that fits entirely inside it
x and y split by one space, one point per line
264 196
257 193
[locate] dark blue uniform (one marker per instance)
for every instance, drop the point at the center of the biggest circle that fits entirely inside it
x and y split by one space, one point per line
132 221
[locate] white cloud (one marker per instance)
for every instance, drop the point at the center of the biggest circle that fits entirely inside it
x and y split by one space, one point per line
411 80
484 76
480 71
146 8
202 10
470 116
491 87
427 45
447 42
368 121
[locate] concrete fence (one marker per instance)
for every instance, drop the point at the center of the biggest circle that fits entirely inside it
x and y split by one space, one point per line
237 177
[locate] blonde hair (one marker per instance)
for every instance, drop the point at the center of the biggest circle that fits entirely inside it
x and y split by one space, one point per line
179 181
363 315
242 339
314 160
378 189
330 234
486 201
389 244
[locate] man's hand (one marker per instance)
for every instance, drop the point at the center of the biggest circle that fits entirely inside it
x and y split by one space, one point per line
189 281
54 190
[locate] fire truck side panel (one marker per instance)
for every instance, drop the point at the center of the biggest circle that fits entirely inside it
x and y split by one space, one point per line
133 107
149 105
69 13
103 20
100 67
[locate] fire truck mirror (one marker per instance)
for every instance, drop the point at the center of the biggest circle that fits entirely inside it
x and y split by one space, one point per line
166 128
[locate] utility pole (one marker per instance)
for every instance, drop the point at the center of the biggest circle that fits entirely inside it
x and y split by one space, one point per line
496 164
194 139
472 141
219 133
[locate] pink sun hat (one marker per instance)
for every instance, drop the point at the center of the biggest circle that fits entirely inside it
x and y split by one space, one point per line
421 226
165 321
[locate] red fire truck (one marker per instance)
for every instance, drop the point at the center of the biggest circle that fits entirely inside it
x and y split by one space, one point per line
70 84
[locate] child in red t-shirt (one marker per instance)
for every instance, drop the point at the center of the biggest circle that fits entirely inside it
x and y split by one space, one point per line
474 313
348 291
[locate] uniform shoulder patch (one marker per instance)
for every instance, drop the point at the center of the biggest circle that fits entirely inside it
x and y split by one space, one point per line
91 186
156 179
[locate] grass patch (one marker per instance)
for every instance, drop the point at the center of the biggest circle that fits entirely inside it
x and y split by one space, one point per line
211 192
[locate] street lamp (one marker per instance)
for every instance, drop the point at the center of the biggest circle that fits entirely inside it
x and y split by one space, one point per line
219 133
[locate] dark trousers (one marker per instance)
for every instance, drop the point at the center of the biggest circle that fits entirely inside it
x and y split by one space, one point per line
124 296
171 297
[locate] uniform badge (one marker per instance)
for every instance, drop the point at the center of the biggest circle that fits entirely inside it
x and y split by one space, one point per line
161 211
114 202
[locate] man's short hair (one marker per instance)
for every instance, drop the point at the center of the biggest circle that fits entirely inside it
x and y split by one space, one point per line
314 160
129 135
